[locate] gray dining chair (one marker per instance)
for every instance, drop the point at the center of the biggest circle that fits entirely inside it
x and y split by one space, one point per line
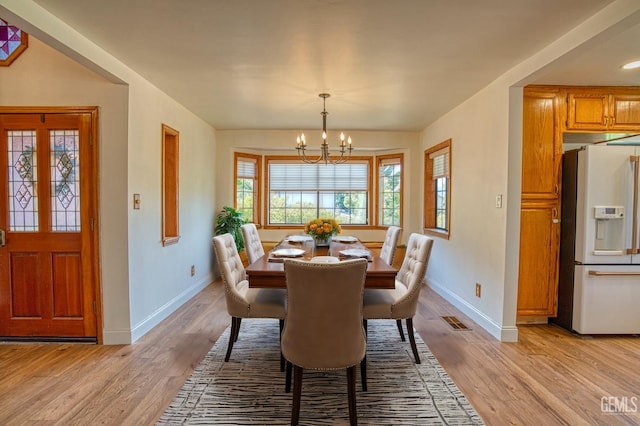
390 244
323 327
242 301
252 242
402 301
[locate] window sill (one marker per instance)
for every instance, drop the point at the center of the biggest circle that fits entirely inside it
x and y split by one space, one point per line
440 233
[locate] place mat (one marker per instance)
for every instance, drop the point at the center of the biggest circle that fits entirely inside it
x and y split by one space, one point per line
296 239
355 254
287 252
344 239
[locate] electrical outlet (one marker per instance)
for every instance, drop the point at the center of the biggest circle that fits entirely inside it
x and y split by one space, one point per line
193 270
478 289
499 201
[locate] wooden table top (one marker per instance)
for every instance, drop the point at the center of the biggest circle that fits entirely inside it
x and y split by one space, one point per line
266 273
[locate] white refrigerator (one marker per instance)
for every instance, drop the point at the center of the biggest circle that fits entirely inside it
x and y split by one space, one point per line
599 286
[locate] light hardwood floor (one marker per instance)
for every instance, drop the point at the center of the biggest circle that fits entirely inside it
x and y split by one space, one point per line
549 377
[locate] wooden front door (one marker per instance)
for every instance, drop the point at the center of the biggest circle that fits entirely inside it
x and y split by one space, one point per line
47 277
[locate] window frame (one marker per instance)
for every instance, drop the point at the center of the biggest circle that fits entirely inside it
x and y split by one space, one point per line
257 185
170 185
430 191
294 159
381 161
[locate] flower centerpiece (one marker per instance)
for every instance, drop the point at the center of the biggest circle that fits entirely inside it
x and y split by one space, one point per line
322 229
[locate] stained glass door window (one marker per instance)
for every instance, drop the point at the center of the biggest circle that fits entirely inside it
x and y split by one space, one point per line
23 185
65 182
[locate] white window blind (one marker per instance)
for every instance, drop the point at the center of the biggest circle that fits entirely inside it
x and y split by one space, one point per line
246 168
318 177
440 160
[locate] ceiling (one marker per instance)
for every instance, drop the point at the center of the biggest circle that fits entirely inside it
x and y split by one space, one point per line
388 65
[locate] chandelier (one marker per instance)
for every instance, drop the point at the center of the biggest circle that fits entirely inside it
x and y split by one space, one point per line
345 146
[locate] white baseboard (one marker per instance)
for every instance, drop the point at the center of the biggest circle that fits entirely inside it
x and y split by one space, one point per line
503 334
124 337
116 337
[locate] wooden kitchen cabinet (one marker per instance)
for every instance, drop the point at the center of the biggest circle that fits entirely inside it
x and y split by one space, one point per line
603 109
541 155
540 202
539 248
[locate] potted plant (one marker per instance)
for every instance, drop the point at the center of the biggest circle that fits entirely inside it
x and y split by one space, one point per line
229 220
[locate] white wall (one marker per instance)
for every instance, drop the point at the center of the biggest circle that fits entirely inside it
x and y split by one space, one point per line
283 142
142 282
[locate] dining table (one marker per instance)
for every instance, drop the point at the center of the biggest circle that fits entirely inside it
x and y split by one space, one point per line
268 271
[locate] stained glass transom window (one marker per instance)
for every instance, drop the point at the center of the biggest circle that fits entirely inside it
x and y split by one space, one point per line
23 189
13 42
65 180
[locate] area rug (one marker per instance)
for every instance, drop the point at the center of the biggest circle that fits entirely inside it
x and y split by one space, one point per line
249 389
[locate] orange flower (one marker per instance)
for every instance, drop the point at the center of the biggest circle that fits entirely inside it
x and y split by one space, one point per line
322 227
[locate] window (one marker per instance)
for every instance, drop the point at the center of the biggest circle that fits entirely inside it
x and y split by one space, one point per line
390 189
247 189
437 190
299 192
170 193
13 41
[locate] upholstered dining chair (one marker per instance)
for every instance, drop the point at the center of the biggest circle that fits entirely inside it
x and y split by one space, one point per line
323 327
401 302
388 250
242 301
252 242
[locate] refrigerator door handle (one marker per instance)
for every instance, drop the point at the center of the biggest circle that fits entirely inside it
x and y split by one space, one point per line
635 160
611 274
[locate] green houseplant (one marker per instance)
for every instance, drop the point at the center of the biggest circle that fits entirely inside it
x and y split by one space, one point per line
229 220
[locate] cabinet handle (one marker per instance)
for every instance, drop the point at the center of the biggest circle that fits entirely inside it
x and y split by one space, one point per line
3 241
554 215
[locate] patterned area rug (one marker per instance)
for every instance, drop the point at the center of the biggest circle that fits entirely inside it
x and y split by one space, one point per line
249 389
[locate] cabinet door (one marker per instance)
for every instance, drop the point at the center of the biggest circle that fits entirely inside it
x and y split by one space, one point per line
540 155
625 112
537 280
587 111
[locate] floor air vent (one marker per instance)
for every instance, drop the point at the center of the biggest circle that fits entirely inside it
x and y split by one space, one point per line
455 323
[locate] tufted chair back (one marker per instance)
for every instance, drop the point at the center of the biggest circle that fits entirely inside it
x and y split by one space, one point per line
411 274
233 274
323 324
388 251
252 242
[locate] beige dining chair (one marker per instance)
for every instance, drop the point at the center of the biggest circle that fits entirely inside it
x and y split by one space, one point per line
390 244
242 301
252 242
323 327
401 302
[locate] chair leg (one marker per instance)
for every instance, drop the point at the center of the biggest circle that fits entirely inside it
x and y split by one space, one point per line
237 330
351 391
297 393
363 373
282 361
235 325
399 323
287 380
412 340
